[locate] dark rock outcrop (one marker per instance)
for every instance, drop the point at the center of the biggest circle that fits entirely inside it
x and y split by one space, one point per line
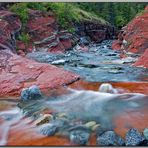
96 31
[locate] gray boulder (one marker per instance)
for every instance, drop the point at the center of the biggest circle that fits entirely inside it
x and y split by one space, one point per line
133 137
110 138
30 93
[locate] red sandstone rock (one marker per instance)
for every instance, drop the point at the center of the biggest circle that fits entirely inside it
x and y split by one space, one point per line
143 60
116 45
136 34
45 36
17 72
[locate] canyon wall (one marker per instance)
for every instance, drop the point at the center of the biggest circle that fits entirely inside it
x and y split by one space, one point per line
134 38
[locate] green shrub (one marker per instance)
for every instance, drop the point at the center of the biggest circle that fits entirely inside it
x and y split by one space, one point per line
24 38
120 21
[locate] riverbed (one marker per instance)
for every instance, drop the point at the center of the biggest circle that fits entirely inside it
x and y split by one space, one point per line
81 102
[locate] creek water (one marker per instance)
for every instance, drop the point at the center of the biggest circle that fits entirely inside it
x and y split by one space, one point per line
74 106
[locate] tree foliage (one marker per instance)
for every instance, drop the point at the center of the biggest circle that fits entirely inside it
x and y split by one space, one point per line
117 13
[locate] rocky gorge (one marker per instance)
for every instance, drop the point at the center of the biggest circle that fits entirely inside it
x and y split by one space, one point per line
68 70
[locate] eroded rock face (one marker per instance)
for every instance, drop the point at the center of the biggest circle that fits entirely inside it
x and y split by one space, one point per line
17 73
10 25
134 38
44 34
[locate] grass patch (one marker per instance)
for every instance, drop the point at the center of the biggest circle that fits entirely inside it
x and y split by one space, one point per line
24 37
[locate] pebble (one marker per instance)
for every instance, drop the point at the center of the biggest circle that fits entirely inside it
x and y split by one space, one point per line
95 127
90 124
44 119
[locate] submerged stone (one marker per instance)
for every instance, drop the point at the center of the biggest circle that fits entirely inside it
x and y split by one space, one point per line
133 137
79 137
110 138
48 129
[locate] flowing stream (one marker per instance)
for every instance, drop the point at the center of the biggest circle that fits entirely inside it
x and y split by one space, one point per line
73 108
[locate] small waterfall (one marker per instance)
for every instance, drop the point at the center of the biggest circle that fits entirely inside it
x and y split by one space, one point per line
9 118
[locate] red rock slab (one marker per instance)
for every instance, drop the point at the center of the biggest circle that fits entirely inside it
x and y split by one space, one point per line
17 72
143 60
133 87
44 33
